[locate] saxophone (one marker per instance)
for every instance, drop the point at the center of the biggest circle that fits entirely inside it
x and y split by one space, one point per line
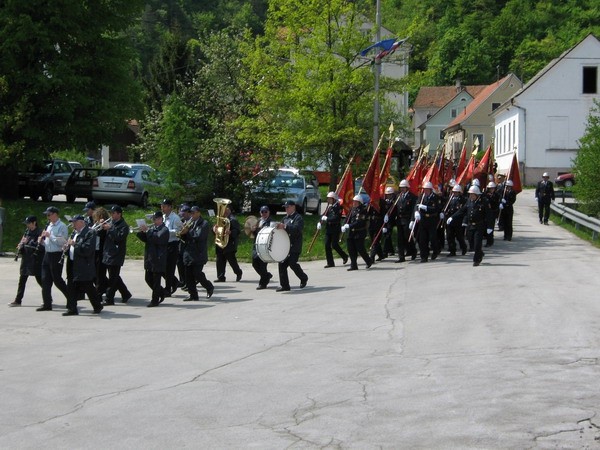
222 226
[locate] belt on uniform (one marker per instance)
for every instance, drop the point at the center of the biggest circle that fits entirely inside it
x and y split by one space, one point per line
428 215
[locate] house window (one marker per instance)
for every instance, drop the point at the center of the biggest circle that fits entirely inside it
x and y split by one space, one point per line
590 80
453 112
495 106
442 134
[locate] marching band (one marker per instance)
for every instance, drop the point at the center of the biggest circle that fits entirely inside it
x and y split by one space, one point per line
95 250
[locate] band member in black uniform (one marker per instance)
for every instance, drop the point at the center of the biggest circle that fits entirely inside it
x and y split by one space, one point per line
389 220
113 255
195 254
405 207
427 214
455 214
89 209
53 238
477 219
228 254
293 224
500 186
356 227
155 256
99 217
259 265
544 194
174 225
507 210
31 263
493 200
81 268
185 214
374 224
332 219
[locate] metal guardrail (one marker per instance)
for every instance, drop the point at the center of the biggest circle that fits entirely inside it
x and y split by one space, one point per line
579 219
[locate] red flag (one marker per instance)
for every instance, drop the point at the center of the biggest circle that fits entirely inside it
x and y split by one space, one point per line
514 175
345 191
462 161
415 176
385 171
433 175
483 168
467 175
371 180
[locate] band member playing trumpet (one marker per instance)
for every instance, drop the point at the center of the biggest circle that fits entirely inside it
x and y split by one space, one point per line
194 239
293 224
113 255
31 264
81 267
259 265
155 256
228 253
53 238
99 218
174 225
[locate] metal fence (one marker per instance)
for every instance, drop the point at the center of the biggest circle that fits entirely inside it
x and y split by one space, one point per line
579 219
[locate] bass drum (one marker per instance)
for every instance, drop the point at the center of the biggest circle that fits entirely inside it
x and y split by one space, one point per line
272 245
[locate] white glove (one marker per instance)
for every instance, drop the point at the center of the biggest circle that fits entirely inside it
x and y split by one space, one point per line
417 216
386 218
345 228
449 221
323 218
489 230
318 225
411 225
422 206
464 224
536 199
441 215
503 200
384 230
501 206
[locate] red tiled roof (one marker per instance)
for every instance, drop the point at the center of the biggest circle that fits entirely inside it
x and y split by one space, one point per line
439 96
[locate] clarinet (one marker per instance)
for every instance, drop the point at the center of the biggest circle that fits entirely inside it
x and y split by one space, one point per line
36 252
19 248
66 249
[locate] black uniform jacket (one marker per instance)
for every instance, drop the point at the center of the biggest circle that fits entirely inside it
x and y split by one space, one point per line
195 250
115 244
84 255
294 225
155 253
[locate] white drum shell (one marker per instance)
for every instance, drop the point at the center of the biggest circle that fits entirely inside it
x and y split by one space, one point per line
272 244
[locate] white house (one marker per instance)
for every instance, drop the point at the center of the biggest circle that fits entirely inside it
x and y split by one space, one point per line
544 120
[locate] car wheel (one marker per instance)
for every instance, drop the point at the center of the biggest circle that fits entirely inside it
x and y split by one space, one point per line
318 210
569 183
304 206
144 202
47 194
70 199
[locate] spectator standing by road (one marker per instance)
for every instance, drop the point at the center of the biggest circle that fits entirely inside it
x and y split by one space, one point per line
544 194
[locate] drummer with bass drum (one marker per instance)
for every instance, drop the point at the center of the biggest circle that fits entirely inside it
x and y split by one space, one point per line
259 265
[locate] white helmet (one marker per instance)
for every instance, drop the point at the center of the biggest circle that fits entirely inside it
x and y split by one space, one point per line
404 184
545 175
452 182
491 185
490 177
474 190
358 198
457 188
428 185
332 195
389 190
509 183
476 182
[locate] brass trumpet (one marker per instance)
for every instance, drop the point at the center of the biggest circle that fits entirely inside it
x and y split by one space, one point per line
98 225
186 226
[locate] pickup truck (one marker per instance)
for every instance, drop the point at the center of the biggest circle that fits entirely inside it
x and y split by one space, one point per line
44 179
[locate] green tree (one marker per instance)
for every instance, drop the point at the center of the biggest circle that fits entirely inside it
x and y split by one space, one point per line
67 66
587 165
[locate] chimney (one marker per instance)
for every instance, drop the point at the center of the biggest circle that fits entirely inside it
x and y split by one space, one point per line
458 86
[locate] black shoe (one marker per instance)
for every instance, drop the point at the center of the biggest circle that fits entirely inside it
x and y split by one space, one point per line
476 263
98 310
260 287
434 256
381 258
109 303
400 260
44 308
303 284
209 292
151 305
451 254
239 277
184 289
369 264
15 303
328 266
70 313
191 299
220 280
424 260
344 260
282 289
464 251
352 268
162 297
269 275
487 244
413 257
126 297
541 221
173 290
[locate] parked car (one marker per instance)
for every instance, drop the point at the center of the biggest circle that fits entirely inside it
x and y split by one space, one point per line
124 184
45 179
565 180
274 187
80 183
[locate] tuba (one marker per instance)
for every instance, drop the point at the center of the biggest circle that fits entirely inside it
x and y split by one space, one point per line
222 225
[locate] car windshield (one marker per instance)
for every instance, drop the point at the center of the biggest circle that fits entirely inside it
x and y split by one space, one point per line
292 182
114 172
45 167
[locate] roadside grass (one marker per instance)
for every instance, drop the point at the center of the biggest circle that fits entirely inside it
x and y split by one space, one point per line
582 233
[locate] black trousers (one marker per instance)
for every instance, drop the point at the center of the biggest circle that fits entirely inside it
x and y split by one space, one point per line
332 242
261 269
181 269
52 275
544 210
388 239
115 283
405 247
356 246
222 259
507 217
153 280
195 274
428 237
101 280
456 233
171 281
376 249
475 236
75 287
21 286
292 262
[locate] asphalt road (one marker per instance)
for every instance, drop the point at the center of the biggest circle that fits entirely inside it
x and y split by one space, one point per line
417 356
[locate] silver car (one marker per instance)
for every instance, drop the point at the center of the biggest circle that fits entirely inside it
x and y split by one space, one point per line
124 184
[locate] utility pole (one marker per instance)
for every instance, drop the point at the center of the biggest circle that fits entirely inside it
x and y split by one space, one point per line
377 69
